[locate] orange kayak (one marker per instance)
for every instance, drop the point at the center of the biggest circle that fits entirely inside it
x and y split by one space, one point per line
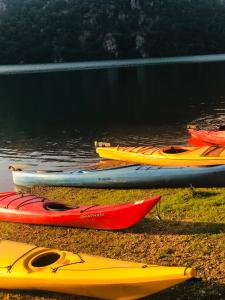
198 143
216 137
168 156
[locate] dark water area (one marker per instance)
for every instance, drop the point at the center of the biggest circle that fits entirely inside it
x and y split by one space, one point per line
51 120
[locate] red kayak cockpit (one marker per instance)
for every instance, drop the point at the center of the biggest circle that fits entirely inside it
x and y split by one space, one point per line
55 206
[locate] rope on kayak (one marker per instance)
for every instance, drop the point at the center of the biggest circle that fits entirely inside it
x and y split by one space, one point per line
29 201
213 151
26 202
108 268
193 190
54 270
186 270
89 207
158 210
20 196
23 203
11 266
7 196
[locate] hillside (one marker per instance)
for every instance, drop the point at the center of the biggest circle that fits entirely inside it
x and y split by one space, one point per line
33 31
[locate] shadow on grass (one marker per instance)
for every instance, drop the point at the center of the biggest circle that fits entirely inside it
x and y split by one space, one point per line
188 290
202 194
30 294
176 227
192 290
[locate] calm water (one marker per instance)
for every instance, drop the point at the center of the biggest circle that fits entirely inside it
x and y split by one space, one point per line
51 120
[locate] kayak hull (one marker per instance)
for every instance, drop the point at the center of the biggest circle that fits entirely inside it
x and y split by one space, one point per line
22 267
32 209
139 176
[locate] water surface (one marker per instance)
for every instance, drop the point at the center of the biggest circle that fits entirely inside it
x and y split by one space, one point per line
51 120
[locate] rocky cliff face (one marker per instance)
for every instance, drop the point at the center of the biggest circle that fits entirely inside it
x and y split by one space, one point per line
71 30
2 6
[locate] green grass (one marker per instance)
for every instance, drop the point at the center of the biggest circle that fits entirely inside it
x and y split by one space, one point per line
191 232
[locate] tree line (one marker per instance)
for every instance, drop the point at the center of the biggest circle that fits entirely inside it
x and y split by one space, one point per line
39 31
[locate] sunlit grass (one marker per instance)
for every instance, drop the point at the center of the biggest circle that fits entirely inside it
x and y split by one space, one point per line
191 232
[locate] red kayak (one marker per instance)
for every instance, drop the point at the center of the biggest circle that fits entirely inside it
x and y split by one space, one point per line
26 208
215 137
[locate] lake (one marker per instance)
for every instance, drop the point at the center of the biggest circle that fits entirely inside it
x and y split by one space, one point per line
51 120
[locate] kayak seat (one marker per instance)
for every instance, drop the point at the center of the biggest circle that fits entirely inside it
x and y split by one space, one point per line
53 206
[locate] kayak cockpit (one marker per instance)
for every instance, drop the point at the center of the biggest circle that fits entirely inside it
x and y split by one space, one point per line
174 150
44 259
54 206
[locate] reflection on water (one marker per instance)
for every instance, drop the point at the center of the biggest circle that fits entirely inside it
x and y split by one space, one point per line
52 120
105 64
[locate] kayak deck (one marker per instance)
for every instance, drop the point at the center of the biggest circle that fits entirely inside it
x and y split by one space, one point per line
168 156
24 266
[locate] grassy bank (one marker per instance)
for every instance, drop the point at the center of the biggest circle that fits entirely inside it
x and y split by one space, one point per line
191 233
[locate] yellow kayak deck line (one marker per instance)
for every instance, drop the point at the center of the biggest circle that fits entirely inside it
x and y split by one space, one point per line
168 156
24 266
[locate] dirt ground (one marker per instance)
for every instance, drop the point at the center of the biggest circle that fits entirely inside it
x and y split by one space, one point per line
190 233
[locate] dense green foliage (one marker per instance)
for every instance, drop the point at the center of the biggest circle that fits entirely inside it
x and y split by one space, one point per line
72 30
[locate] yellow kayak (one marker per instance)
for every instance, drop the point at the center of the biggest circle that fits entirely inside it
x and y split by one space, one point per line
168 156
24 266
